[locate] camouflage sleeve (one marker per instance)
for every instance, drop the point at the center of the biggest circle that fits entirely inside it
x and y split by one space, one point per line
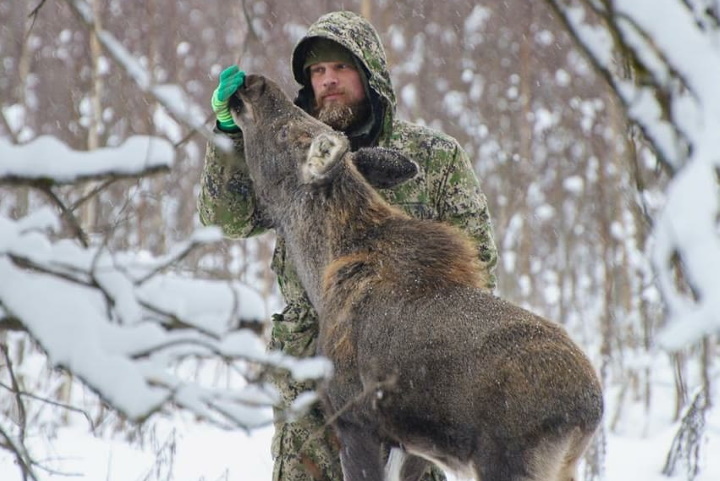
461 202
226 197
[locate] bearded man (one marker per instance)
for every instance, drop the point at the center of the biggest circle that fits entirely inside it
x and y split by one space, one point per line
344 81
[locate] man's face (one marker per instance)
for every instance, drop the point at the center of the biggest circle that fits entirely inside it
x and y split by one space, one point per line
339 94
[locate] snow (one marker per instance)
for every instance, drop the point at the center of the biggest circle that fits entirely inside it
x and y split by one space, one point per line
78 341
477 19
574 184
104 315
47 158
687 223
206 452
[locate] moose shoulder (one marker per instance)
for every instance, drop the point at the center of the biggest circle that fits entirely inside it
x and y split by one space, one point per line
426 361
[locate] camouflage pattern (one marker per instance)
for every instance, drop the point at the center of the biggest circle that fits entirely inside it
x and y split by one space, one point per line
445 189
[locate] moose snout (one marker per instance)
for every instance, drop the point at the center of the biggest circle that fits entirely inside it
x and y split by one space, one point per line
242 102
252 89
235 102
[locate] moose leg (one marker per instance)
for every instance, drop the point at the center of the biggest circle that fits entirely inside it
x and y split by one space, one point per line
556 459
361 454
495 461
576 447
553 459
414 468
402 466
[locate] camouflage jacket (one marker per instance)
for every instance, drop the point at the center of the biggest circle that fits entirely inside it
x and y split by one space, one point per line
445 189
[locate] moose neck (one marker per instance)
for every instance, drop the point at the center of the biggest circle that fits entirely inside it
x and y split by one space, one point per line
330 221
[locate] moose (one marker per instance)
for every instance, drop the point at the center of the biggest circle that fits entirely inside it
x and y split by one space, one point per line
429 366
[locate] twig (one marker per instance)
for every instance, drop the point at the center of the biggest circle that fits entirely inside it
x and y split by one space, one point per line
68 216
21 456
171 321
45 185
26 263
191 133
36 10
22 414
33 16
353 402
51 402
688 441
95 191
171 261
249 34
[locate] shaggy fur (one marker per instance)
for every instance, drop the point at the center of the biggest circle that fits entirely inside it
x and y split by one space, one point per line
426 360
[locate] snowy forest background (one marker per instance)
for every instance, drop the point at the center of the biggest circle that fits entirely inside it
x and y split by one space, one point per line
594 126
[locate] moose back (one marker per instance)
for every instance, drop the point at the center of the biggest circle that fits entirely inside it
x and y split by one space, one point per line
426 361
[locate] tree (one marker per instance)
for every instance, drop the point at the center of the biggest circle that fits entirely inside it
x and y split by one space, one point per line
669 96
119 321
128 324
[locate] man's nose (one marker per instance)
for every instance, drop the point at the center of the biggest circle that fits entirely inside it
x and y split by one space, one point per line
330 79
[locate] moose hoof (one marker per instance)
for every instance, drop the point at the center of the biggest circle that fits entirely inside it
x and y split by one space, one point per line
325 151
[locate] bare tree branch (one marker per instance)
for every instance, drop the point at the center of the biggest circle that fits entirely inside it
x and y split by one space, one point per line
17 447
630 58
33 17
62 272
15 389
21 456
118 54
94 192
50 402
67 215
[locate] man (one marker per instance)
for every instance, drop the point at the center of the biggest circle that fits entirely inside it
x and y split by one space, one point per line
341 67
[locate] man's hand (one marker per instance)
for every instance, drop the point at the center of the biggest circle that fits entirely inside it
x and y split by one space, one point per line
230 80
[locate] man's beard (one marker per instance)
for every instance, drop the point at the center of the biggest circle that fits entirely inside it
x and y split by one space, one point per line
342 117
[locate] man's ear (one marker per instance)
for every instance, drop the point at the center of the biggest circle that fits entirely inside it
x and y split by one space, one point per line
384 168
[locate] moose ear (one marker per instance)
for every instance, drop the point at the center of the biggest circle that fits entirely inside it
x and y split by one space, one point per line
384 168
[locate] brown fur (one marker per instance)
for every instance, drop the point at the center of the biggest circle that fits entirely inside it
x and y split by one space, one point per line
425 358
457 264
338 344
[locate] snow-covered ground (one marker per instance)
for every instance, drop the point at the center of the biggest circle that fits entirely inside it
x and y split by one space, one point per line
177 447
203 453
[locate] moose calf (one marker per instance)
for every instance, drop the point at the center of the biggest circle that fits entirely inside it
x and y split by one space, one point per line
426 362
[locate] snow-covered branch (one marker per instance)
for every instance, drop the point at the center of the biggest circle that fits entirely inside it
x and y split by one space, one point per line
46 160
619 50
673 51
123 321
102 316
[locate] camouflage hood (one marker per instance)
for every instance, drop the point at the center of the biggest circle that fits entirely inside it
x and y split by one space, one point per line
358 36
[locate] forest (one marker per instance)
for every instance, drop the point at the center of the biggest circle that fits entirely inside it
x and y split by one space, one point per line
592 125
